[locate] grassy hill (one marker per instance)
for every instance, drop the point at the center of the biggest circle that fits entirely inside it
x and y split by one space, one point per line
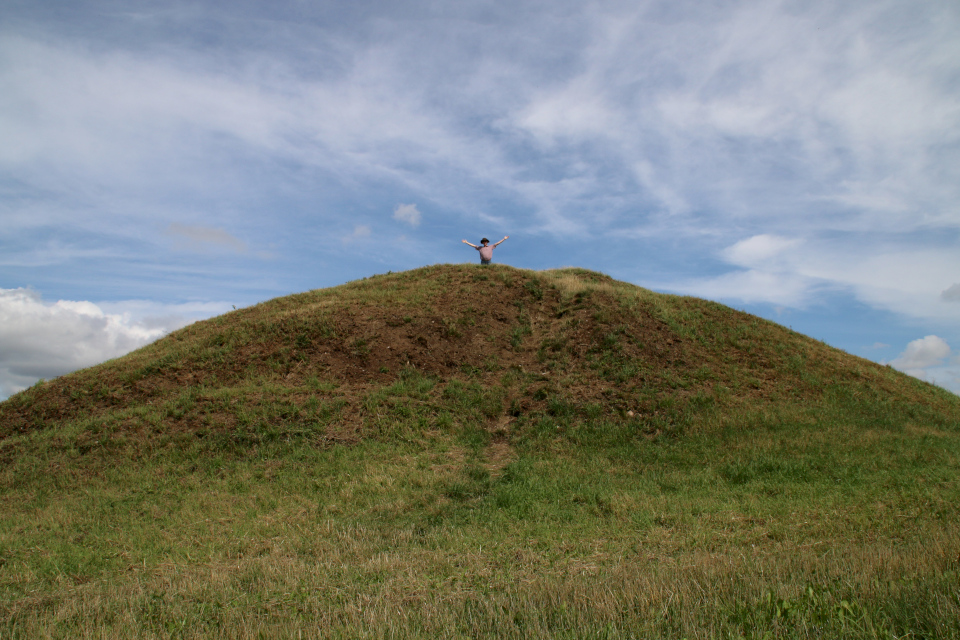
466 451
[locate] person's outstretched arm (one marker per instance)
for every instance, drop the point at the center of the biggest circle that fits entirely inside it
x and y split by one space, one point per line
473 245
504 238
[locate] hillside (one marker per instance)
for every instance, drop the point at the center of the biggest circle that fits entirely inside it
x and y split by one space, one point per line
531 341
482 452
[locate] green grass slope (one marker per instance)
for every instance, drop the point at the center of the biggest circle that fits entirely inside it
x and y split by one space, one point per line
466 451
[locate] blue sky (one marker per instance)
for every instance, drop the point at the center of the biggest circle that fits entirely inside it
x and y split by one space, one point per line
162 162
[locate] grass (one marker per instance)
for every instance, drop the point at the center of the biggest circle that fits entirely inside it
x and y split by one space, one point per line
630 465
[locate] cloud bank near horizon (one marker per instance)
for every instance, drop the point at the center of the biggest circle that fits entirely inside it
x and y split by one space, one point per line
42 340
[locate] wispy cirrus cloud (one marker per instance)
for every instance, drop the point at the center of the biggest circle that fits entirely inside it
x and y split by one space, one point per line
701 113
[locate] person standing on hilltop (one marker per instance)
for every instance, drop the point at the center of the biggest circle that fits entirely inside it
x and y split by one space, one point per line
486 251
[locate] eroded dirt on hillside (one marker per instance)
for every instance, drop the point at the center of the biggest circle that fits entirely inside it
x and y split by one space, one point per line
480 325
476 323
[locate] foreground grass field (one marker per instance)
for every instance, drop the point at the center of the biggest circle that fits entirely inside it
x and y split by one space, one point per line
482 452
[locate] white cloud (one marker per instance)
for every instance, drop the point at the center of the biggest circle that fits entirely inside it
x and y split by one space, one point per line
749 286
767 274
931 359
760 251
44 340
576 109
905 279
407 213
922 354
890 273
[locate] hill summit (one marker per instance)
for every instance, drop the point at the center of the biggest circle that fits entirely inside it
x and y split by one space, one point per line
518 345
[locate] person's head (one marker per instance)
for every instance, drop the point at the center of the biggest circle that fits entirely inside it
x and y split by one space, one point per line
484 241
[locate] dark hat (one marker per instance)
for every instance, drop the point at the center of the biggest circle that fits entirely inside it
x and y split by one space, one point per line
484 240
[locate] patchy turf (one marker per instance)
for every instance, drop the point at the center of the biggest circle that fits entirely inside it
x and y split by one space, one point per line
481 452
568 336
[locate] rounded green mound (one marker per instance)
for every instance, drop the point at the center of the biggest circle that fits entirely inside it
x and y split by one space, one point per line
569 340
481 452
